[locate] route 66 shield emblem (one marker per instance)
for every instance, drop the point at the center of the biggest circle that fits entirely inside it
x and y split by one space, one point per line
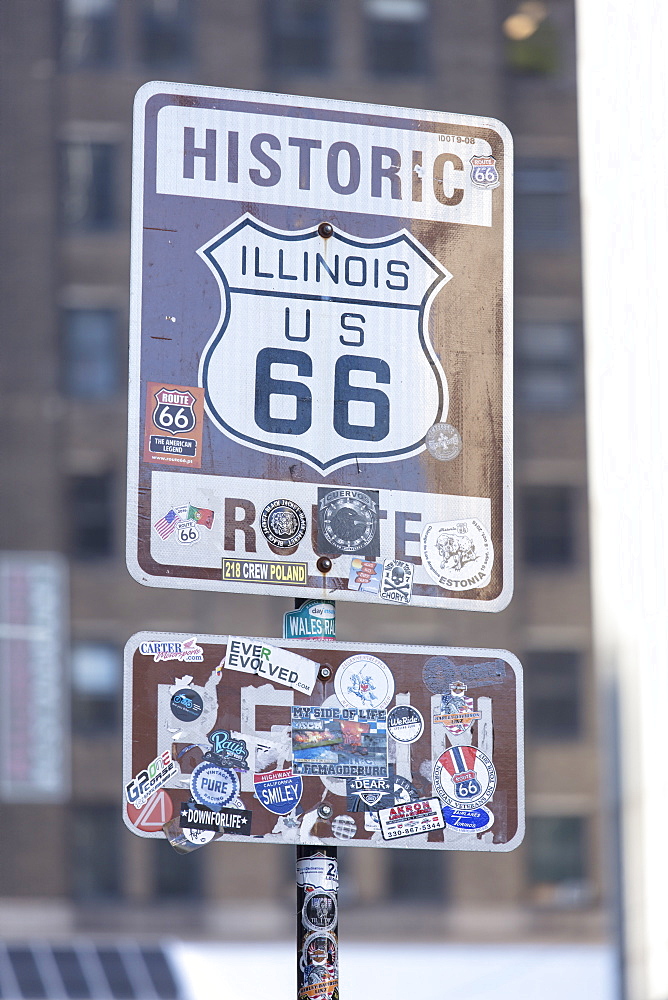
174 411
322 347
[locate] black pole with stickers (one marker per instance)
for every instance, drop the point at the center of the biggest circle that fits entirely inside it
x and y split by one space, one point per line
317 873
317 881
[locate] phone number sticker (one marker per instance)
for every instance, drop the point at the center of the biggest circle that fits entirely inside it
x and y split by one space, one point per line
411 818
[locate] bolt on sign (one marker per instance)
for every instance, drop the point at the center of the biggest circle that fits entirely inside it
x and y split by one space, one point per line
320 349
250 739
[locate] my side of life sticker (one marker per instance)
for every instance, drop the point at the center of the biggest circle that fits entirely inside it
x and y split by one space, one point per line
271 663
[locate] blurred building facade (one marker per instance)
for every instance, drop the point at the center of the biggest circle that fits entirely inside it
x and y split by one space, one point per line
68 73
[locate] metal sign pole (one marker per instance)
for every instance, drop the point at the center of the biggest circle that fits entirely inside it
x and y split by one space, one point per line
317 872
316 867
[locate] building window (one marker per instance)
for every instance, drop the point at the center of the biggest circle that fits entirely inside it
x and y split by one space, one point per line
544 203
414 876
88 33
396 37
549 526
96 678
95 852
87 193
90 355
166 33
90 508
557 860
553 680
177 877
532 41
548 370
299 35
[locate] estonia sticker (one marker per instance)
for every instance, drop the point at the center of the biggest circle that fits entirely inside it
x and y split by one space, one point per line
457 555
464 778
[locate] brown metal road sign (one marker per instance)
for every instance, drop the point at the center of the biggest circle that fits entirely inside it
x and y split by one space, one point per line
272 741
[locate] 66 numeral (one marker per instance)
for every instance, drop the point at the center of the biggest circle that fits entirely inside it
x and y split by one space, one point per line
266 386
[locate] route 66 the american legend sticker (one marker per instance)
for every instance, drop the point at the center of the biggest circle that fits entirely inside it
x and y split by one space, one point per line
320 349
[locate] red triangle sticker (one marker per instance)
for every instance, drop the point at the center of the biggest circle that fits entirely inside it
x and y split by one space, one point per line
157 811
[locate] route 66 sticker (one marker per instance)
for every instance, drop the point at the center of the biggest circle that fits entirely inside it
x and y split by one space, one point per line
173 424
464 777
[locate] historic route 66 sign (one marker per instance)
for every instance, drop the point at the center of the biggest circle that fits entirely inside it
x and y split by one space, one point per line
320 323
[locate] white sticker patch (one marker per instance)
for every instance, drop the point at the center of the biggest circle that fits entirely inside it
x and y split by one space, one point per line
411 818
271 663
457 555
364 681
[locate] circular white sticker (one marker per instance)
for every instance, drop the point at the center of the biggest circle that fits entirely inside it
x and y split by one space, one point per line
464 777
198 836
364 681
405 724
344 827
457 555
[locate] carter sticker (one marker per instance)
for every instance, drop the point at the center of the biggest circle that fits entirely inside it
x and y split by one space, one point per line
173 428
457 555
464 777
188 651
411 818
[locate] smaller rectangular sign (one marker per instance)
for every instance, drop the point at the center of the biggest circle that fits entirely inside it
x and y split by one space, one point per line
411 818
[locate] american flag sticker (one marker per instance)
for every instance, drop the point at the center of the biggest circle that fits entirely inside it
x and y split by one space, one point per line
166 525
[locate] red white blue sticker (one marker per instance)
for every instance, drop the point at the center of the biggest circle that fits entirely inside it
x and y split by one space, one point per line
464 777
279 791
